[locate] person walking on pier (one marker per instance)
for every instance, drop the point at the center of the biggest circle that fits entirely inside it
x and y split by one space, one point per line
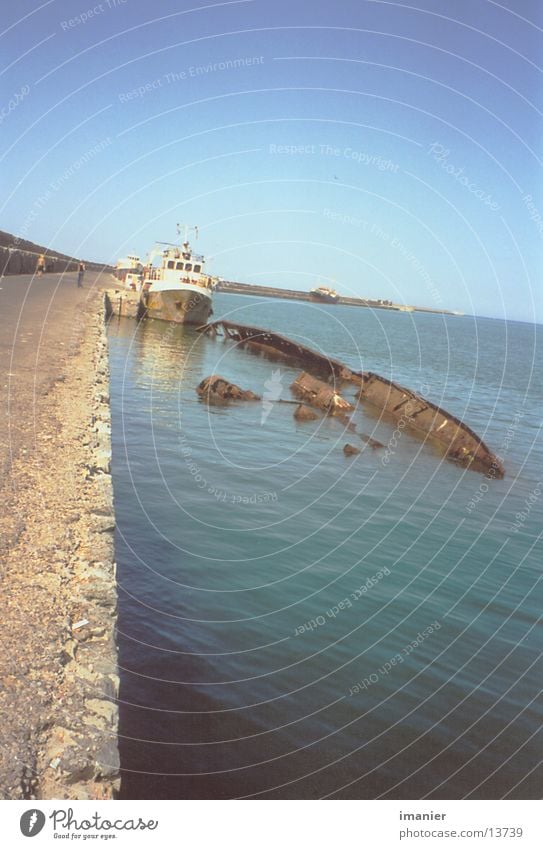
80 275
40 268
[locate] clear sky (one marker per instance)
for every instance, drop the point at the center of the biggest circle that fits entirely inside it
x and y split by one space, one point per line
390 149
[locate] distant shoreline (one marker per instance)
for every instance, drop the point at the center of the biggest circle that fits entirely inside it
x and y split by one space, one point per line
233 288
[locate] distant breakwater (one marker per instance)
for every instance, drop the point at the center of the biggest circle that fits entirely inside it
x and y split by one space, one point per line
234 288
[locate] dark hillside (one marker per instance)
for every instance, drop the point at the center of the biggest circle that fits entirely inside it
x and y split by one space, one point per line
19 256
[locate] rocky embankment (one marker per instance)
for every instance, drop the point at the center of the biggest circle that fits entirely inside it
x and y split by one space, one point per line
58 666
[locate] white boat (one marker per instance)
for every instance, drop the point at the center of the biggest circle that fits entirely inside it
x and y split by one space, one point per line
178 289
132 280
129 264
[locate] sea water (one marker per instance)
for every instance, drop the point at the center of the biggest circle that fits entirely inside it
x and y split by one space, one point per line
295 623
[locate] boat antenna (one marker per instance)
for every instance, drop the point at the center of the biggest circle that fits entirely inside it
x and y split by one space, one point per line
186 229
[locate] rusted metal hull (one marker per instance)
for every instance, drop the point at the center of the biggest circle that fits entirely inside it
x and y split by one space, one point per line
426 419
319 394
423 418
275 346
178 305
216 390
324 397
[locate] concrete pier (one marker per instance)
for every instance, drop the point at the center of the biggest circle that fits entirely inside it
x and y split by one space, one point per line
58 668
123 303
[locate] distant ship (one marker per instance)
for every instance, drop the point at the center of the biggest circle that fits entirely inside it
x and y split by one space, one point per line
323 293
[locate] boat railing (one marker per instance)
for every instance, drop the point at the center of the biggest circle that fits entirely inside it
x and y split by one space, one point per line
203 282
179 253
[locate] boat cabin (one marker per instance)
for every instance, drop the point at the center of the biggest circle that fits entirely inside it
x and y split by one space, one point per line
179 264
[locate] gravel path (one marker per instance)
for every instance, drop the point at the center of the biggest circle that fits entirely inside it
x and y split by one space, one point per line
58 677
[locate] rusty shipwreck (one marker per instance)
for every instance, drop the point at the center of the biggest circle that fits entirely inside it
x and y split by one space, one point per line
424 419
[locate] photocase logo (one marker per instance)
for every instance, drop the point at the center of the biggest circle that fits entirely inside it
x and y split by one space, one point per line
273 388
32 822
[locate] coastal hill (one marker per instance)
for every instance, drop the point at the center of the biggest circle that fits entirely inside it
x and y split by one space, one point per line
19 256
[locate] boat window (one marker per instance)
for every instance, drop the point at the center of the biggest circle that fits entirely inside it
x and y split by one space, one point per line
197 268
179 266
188 266
171 263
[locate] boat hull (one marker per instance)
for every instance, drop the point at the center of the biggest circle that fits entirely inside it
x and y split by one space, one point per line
324 299
389 400
429 421
182 306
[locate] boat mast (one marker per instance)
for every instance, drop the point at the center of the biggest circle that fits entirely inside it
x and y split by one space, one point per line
187 229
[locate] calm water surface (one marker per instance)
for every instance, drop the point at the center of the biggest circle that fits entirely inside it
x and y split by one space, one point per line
297 624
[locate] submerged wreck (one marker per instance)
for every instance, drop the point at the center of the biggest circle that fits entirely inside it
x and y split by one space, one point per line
421 417
216 390
425 419
319 394
278 347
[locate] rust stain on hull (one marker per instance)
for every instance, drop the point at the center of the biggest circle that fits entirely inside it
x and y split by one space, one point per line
424 419
319 394
275 346
461 444
178 305
215 389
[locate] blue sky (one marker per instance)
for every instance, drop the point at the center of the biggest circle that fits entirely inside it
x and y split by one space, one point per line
390 149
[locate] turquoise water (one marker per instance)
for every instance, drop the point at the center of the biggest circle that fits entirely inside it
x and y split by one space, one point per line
298 624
